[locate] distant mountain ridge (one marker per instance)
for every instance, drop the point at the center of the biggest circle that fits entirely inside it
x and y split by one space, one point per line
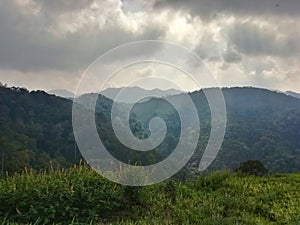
293 94
130 94
62 93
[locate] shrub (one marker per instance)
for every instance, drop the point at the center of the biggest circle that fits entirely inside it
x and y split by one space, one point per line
253 167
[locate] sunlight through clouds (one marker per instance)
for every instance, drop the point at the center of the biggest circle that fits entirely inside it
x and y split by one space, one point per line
62 38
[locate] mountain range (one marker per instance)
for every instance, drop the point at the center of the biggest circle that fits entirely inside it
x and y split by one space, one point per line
293 94
36 129
62 93
131 92
128 95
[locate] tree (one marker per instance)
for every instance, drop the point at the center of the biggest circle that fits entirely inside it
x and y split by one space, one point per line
253 167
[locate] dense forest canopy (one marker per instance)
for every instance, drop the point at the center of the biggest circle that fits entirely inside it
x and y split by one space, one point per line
36 129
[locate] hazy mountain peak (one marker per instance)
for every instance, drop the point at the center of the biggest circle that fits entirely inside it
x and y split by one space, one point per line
130 94
293 94
61 93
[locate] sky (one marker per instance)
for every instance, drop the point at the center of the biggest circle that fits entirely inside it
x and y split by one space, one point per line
49 44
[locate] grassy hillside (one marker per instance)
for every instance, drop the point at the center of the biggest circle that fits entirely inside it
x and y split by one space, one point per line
79 195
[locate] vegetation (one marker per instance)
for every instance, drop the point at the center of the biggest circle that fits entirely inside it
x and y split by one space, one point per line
252 167
79 195
36 128
36 134
261 125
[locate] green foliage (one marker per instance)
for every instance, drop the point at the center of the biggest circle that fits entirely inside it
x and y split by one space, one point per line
261 124
133 194
252 167
36 131
211 181
80 196
61 195
36 128
224 198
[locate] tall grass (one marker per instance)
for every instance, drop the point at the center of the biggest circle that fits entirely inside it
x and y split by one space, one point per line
81 196
60 195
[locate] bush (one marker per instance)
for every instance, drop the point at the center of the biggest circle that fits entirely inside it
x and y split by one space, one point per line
253 167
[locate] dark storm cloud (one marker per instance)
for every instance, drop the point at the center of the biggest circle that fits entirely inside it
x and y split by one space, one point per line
64 5
59 38
27 44
209 8
246 37
252 39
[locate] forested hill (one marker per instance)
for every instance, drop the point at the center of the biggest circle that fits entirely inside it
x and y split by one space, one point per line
36 129
261 124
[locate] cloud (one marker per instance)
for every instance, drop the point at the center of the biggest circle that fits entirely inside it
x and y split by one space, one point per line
145 72
208 9
49 42
37 36
251 38
48 80
230 55
59 6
